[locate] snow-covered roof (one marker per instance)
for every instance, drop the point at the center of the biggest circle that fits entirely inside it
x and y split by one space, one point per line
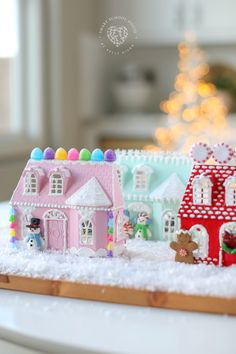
218 210
95 182
171 189
90 194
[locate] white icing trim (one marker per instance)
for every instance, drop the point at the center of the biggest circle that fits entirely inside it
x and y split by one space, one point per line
63 206
139 207
90 194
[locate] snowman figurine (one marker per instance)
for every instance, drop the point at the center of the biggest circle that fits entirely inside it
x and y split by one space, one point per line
34 237
141 229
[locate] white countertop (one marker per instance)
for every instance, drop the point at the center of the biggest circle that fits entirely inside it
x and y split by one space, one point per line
60 325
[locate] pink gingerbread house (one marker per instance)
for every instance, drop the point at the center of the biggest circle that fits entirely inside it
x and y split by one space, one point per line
77 197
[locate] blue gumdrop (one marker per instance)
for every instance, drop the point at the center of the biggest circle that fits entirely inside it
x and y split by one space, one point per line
36 154
97 155
12 211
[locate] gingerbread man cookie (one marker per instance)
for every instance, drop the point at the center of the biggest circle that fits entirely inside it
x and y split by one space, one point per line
184 247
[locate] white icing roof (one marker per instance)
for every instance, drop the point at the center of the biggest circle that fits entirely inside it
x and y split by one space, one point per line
170 189
90 194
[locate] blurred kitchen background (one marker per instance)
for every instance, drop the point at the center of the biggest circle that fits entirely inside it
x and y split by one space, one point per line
59 85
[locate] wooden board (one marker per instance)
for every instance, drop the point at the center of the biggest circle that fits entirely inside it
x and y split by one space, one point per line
119 295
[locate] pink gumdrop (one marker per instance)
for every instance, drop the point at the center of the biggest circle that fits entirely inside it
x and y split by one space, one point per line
13 225
73 154
109 238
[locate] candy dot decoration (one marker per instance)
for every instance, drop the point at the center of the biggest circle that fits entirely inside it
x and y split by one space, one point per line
200 152
61 154
36 154
222 153
97 155
49 154
109 155
12 231
73 154
84 155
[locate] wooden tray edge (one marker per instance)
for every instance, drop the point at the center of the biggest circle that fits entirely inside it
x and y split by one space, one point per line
114 294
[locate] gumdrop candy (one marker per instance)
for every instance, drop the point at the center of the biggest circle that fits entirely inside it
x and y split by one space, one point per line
13 225
61 154
12 232
97 155
73 154
84 155
49 153
36 154
12 218
109 155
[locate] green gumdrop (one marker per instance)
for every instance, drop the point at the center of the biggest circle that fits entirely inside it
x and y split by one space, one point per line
110 230
12 218
85 155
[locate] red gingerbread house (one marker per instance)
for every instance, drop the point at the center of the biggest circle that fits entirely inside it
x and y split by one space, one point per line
208 208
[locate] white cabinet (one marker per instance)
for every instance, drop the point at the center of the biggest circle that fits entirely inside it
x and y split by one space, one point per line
166 21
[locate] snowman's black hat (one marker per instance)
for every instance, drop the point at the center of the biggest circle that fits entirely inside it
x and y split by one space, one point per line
34 223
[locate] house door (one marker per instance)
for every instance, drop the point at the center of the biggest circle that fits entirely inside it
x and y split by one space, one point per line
55 229
200 235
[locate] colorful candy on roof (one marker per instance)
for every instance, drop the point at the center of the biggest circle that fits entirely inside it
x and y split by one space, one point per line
73 154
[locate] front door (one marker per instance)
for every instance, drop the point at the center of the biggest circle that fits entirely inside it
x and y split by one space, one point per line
55 222
56 234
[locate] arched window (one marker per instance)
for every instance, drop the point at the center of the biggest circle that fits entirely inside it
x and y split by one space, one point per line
202 190
86 232
140 181
230 190
200 235
56 184
31 183
169 225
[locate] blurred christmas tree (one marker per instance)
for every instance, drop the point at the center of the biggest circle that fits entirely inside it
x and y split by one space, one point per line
195 111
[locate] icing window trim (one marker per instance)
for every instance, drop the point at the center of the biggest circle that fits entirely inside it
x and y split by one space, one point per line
202 190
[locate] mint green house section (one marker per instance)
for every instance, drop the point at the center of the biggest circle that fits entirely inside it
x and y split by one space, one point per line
154 182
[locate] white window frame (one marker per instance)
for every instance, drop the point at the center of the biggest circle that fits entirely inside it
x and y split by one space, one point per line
230 191
85 226
169 231
202 190
54 184
30 178
141 178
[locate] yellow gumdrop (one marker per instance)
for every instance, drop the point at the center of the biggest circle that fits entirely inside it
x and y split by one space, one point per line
109 246
61 154
12 232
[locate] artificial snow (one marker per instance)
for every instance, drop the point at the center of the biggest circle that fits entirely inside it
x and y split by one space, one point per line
145 265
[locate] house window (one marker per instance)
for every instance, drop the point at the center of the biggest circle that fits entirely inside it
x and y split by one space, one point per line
31 184
202 190
230 191
169 225
140 181
86 233
141 178
56 184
